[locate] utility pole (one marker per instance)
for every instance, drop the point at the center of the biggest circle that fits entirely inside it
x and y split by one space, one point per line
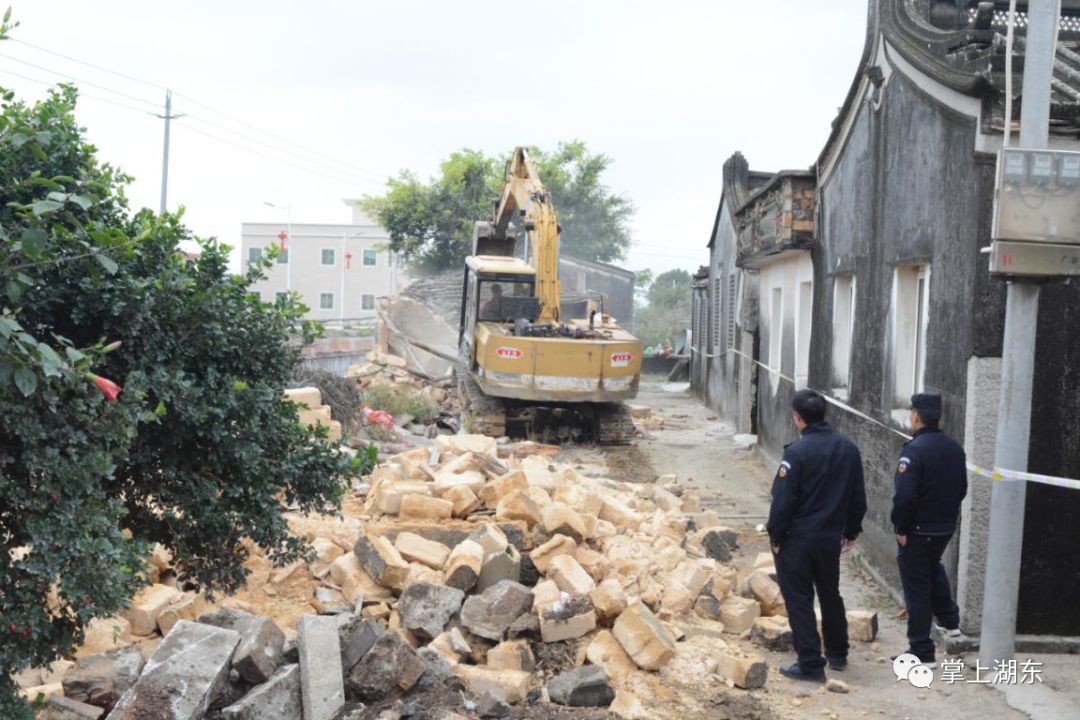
1006 533
168 117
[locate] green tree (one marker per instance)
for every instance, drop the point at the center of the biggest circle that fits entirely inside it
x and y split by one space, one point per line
199 450
667 308
431 223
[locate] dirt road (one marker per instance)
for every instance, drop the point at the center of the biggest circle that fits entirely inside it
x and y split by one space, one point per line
734 482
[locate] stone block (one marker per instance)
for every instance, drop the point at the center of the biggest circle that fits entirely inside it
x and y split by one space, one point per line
567 621
644 638
517 505
591 562
147 604
511 655
502 486
586 686
426 608
102 679
346 573
609 600
694 575
355 637
389 668
676 598
718 542
491 613
490 537
561 519
619 514
464 500
747 672
508 686
569 575
628 707
422 507
104 634
666 500
329 601
606 652
415 548
505 565
193 663
322 684
446 481
188 607
557 545
545 594
279 697
540 472
463 565
708 607
772 633
767 593
461 444
738 614
60 707
326 551
307 397
862 625
262 644
389 494
381 560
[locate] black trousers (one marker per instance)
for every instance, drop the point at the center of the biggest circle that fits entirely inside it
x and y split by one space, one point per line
926 590
803 565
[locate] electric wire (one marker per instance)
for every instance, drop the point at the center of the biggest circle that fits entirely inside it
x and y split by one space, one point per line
80 80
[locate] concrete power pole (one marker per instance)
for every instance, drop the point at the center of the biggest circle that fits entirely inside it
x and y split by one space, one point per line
1006 533
168 117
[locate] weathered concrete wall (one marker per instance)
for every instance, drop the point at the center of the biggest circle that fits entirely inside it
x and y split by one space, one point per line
723 368
907 189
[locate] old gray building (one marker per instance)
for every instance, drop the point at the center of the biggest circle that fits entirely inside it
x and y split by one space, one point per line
886 291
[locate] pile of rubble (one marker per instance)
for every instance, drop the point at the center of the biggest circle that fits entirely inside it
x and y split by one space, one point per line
471 576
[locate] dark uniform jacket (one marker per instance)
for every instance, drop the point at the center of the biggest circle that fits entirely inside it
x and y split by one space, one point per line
818 488
930 482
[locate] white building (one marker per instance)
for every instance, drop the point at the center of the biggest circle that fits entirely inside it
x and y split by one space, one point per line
339 270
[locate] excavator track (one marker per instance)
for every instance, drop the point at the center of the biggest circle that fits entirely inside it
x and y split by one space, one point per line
602 423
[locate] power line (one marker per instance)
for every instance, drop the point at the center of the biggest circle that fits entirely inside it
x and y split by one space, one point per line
188 128
48 83
78 80
354 169
87 64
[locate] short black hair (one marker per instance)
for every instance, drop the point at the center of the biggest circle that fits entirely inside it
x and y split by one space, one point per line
930 418
810 406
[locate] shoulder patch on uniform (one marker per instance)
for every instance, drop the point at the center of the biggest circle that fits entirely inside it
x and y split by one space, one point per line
902 467
784 467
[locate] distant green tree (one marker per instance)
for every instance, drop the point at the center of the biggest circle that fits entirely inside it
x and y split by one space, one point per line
431 224
667 308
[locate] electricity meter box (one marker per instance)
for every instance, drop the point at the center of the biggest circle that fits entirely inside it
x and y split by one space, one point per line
1036 213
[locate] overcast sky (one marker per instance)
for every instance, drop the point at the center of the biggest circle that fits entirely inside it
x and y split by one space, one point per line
356 91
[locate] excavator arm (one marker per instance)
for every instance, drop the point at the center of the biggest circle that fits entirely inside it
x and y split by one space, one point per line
524 194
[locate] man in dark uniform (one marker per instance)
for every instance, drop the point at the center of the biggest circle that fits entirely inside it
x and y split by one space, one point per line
818 503
930 482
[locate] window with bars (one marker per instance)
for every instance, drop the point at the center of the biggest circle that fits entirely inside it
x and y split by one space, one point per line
732 296
717 307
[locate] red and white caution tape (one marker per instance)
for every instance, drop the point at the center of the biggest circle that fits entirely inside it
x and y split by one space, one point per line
999 474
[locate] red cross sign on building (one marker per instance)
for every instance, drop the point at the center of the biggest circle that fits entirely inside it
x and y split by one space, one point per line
348 260
282 236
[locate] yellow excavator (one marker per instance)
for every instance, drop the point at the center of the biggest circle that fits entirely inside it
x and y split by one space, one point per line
526 370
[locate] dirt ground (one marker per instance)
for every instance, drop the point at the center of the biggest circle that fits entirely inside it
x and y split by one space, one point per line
734 482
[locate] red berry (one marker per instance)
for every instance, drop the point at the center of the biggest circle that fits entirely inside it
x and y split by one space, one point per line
26 632
12 629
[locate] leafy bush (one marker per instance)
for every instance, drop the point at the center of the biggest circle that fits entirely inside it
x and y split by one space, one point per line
199 449
401 399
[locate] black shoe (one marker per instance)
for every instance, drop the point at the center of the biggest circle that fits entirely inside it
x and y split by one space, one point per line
837 663
929 662
797 672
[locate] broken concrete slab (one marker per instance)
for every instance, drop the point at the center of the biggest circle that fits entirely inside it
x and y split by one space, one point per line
567 621
278 698
103 678
415 548
464 564
390 667
322 686
491 613
586 686
426 608
380 559
189 668
504 565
